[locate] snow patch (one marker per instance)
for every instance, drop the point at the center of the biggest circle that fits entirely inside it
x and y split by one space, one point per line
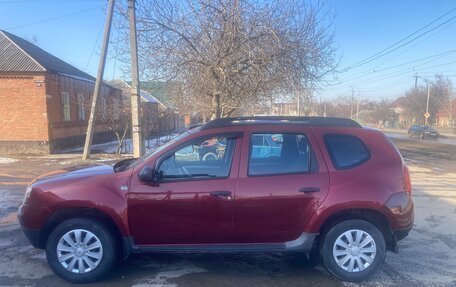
7 160
174 271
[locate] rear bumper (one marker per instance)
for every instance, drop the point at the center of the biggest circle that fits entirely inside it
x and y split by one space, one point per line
400 234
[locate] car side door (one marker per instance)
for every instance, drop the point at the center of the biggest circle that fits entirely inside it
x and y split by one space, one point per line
277 195
191 201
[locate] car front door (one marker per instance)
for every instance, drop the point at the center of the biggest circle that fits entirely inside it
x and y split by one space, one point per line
191 203
277 195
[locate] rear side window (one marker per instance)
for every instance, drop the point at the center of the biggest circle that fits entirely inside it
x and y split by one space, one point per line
272 154
346 151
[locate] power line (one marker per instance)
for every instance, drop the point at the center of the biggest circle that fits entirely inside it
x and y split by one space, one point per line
54 18
389 52
94 47
374 70
405 71
386 52
46 1
394 83
436 56
412 46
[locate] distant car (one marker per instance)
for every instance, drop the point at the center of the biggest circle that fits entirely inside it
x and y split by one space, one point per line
423 132
211 149
266 145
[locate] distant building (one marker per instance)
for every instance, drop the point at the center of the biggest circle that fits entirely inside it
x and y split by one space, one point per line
284 109
150 107
44 101
446 116
398 108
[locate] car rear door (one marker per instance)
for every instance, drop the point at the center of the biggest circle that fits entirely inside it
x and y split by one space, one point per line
277 194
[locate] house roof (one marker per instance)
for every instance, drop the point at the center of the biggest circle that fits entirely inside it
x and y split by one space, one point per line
160 90
19 55
126 88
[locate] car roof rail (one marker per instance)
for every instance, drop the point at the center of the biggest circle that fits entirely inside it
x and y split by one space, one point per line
308 121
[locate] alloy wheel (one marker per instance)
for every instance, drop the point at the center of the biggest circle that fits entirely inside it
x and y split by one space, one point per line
354 250
79 251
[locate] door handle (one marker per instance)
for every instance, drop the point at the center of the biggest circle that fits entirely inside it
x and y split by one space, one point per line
221 193
309 189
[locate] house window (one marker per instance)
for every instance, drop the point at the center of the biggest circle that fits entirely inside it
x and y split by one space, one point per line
81 108
104 107
115 109
65 106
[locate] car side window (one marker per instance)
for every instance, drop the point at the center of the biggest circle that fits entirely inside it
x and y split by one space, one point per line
283 153
346 151
199 159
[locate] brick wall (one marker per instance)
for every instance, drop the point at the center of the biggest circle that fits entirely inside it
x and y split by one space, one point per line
23 114
31 113
72 133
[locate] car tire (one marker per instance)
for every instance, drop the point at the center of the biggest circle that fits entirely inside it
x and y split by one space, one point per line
68 241
350 261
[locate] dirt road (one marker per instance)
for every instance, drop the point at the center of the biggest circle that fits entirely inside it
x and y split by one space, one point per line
426 258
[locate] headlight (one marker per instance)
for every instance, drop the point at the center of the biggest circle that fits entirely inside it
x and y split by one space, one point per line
28 191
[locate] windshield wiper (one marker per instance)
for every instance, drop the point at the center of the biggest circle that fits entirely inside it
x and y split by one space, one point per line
197 175
123 164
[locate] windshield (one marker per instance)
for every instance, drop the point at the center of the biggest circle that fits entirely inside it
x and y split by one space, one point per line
153 152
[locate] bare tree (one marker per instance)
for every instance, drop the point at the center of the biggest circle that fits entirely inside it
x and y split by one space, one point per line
112 112
227 54
381 112
116 116
415 99
120 124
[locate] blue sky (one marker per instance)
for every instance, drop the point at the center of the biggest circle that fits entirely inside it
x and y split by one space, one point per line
71 30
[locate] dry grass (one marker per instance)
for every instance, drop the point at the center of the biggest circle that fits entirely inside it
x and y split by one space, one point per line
425 149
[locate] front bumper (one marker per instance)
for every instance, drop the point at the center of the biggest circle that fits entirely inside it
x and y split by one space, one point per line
33 236
31 219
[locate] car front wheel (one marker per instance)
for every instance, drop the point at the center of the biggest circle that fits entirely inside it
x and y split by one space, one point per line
81 250
353 250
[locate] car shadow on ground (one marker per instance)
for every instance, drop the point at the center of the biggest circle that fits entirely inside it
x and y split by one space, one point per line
241 269
22 265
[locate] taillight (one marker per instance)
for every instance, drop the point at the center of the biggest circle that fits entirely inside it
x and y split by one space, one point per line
399 203
407 182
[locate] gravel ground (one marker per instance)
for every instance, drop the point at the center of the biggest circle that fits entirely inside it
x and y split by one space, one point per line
426 258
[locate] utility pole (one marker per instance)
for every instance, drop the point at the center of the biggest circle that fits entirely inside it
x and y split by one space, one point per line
319 113
357 109
357 106
271 111
135 90
324 110
351 103
416 80
451 110
298 108
99 80
427 104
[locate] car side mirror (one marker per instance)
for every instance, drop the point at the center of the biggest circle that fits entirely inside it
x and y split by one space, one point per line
147 174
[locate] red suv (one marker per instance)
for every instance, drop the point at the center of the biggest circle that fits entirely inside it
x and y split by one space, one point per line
327 187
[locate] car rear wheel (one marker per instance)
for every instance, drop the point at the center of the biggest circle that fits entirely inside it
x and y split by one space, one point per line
353 250
81 250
